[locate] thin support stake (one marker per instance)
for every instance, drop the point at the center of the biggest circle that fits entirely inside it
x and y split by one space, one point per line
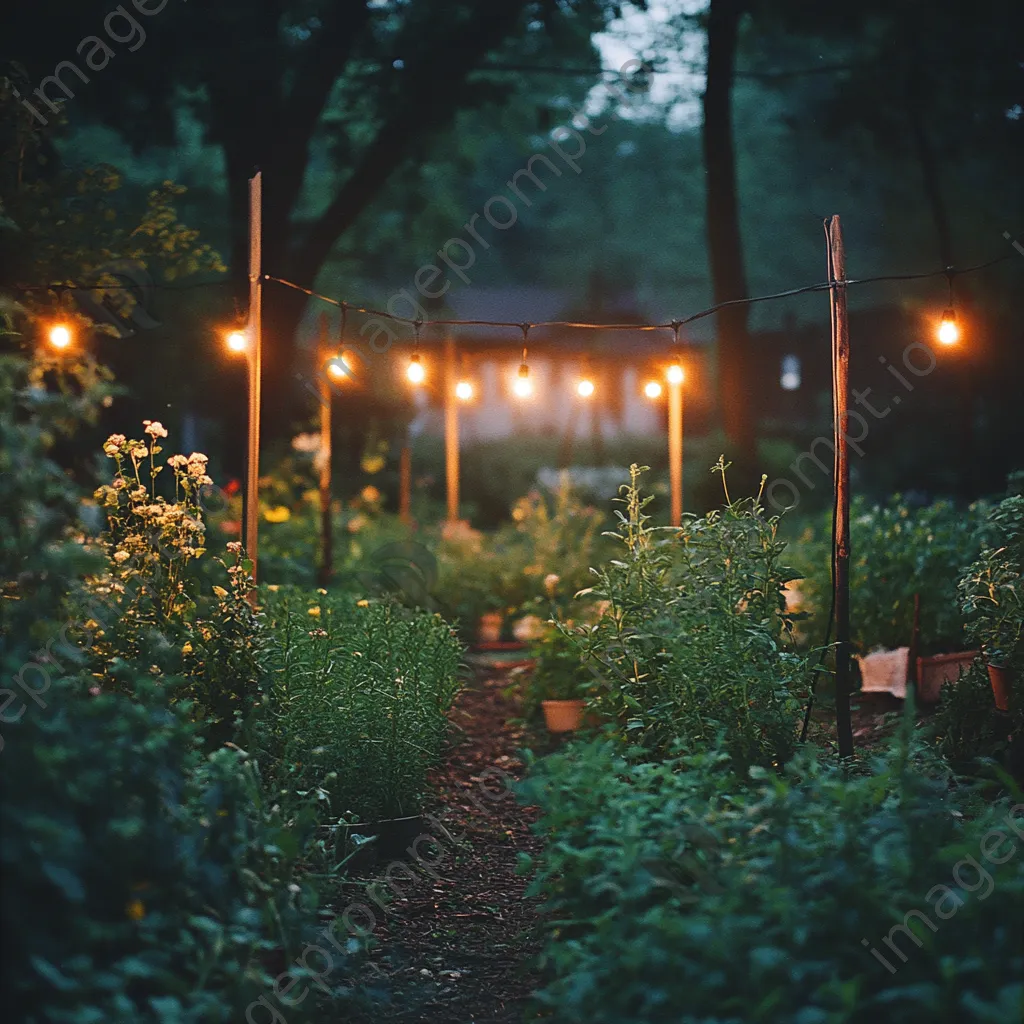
841 555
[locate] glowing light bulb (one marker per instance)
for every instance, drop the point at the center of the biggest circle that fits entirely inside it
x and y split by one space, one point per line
339 367
652 389
675 374
60 336
464 390
585 388
523 386
949 329
416 373
236 341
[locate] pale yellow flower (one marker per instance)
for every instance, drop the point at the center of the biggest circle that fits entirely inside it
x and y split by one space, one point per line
154 428
363 603
314 611
121 556
220 591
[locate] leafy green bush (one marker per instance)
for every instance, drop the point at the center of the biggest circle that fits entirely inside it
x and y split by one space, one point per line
693 636
152 607
966 725
992 590
675 893
898 551
357 709
141 881
545 554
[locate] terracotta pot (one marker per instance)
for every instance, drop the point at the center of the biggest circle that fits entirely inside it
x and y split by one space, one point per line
1001 680
934 671
562 715
489 630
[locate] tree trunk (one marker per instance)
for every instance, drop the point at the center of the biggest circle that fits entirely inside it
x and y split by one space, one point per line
725 244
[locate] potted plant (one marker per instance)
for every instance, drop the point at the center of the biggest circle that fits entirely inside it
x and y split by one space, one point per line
991 595
560 682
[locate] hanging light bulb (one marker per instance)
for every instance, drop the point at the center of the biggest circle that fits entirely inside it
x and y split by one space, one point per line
949 330
675 374
652 389
339 367
236 341
59 336
523 386
415 372
464 391
585 388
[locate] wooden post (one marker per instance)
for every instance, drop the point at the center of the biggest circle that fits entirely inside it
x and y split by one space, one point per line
451 431
326 536
841 402
405 483
252 501
675 449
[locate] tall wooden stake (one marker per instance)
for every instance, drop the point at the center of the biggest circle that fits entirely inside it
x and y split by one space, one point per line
675 449
326 536
252 501
841 567
451 431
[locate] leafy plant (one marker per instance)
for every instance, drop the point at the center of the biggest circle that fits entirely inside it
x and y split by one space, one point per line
679 891
899 551
357 710
991 588
693 637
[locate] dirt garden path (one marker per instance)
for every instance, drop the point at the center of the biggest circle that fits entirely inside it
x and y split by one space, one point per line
456 949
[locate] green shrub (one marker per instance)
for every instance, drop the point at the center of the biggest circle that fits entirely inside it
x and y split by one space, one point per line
693 637
150 604
966 725
357 709
141 881
675 893
992 591
898 551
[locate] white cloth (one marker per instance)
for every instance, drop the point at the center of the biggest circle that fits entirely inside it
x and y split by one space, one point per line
885 672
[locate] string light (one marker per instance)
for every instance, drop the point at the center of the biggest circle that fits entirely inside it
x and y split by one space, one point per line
949 330
652 389
339 366
236 341
464 391
585 388
675 374
60 336
415 371
522 386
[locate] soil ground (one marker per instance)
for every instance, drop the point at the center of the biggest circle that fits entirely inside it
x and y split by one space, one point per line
456 946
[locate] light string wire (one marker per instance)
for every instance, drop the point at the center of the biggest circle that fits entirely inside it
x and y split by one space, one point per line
672 325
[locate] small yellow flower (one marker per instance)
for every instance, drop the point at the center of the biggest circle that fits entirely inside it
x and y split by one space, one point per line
277 514
363 603
136 910
315 611
220 591
187 649
273 587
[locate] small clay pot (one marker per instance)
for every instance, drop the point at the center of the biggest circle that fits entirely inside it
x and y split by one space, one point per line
1002 682
489 629
562 715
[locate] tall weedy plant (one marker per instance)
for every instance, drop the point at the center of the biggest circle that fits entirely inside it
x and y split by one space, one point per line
694 640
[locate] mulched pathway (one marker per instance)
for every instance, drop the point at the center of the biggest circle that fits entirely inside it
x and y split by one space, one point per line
456 949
